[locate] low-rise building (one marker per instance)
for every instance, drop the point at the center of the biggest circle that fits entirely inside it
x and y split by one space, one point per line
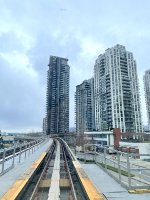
100 137
7 139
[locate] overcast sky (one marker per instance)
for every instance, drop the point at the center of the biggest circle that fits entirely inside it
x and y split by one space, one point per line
32 30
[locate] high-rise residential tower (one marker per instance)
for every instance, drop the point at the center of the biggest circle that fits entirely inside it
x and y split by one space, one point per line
58 96
44 125
147 93
84 111
116 91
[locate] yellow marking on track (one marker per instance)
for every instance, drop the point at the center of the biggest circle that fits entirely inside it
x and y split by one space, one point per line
18 186
139 191
90 189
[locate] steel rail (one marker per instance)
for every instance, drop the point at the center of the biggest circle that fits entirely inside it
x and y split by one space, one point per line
43 171
69 174
68 159
69 150
45 167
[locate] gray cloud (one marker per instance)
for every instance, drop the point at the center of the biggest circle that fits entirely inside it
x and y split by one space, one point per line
31 31
20 101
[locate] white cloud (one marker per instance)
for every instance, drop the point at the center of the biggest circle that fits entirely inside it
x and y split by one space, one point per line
90 48
19 63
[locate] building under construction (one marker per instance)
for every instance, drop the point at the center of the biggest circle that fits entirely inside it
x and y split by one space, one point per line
58 96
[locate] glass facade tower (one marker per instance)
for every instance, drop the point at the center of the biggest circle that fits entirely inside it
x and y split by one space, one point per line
147 93
84 111
116 91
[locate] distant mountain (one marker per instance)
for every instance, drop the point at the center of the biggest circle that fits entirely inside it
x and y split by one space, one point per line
72 129
146 128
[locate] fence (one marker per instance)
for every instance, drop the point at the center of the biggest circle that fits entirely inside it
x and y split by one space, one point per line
130 172
18 151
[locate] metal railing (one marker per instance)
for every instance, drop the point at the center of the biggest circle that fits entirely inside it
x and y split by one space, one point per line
130 172
18 152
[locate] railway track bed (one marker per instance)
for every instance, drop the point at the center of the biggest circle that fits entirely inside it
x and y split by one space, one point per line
58 176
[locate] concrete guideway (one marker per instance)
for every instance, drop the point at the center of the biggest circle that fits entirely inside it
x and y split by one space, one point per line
110 188
54 191
78 184
88 186
87 183
9 178
17 187
90 189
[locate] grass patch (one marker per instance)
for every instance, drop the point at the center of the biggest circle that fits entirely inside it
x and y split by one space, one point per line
109 167
87 161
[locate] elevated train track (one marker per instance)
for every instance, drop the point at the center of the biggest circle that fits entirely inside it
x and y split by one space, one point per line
55 175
